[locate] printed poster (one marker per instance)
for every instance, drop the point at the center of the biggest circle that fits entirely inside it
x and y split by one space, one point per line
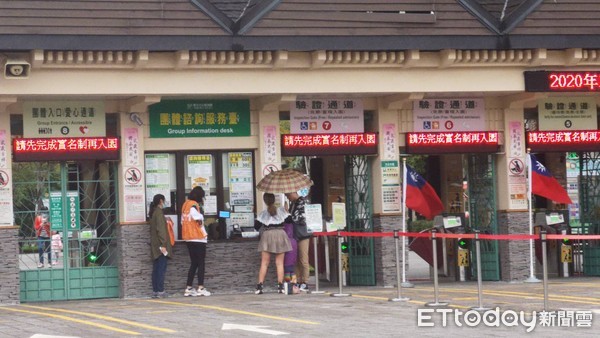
132 147
390 189
158 177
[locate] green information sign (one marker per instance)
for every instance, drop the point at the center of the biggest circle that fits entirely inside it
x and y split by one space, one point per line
56 211
205 118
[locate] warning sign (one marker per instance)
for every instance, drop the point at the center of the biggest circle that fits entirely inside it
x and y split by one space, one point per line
133 176
516 166
3 179
269 168
463 257
566 254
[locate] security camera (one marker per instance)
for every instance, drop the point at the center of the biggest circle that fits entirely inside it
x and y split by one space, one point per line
135 118
16 69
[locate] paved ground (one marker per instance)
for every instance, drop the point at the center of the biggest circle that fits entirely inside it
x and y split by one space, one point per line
366 313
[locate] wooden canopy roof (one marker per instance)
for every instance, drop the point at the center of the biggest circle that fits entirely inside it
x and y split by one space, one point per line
298 25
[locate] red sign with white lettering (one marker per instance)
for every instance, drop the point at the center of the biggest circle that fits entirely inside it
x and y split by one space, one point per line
329 144
580 140
66 148
452 142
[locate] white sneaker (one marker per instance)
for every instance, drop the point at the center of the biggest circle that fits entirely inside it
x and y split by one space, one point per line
190 292
304 287
203 292
40 265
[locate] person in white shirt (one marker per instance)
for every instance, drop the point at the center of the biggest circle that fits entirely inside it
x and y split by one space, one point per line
195 236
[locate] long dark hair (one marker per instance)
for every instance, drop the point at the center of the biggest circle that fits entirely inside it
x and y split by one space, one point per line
197 194
154 204
269 200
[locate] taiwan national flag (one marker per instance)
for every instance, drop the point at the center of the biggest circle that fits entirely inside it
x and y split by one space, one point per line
420 196
545 185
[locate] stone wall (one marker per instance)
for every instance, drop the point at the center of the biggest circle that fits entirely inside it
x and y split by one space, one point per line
385 250
9 265
231 266
514 255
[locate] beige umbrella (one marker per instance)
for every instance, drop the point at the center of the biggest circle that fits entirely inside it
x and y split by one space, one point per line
284 181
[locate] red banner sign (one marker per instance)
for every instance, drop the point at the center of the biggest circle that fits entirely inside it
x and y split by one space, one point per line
580 140
458 142
66 148
329 144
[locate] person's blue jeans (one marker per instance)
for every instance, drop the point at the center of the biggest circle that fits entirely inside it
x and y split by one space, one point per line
159 269
44 246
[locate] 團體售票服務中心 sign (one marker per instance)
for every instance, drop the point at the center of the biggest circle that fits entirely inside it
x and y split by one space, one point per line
200 118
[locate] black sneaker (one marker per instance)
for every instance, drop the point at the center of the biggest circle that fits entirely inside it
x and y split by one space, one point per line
303 287
280 288
259 289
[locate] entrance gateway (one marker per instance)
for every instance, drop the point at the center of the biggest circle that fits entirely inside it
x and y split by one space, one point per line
470 192
80 202
70 184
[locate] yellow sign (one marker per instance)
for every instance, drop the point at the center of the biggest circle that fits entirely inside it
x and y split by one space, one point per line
463 257
345 262
566 254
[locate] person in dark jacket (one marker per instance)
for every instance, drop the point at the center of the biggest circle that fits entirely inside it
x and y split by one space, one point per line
160 245
302 235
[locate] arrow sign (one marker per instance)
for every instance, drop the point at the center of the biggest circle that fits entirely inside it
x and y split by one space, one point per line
252 328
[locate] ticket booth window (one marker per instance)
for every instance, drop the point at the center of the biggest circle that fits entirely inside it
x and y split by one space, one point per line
227 178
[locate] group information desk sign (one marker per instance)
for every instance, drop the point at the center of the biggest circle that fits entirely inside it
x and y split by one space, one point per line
205 118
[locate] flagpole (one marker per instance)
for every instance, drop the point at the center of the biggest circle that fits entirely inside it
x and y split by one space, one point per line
532 278
405 283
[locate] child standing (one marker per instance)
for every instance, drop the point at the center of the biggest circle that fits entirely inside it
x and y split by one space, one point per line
289 261
56 246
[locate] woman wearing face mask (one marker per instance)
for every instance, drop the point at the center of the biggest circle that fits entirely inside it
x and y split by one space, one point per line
161 245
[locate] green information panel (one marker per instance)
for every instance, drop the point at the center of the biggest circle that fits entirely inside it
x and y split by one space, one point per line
56 211
56 219
205 118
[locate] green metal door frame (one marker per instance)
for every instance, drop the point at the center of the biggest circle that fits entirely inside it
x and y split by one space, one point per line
481 177
589 209
359 218
74 276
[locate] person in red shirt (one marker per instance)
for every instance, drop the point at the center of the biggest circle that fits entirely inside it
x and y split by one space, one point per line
42 230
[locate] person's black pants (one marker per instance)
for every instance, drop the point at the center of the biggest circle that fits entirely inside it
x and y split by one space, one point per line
197 251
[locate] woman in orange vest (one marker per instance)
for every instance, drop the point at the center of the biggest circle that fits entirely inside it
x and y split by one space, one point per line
195 236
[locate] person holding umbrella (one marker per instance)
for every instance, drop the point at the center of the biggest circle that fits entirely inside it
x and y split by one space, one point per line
273 240
289 181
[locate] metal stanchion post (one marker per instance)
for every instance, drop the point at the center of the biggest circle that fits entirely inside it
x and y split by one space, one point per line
565 263
544 268
479 280
435 272
340 278
398 280
315 246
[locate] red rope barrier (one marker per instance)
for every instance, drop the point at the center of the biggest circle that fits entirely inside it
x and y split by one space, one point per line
450 235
